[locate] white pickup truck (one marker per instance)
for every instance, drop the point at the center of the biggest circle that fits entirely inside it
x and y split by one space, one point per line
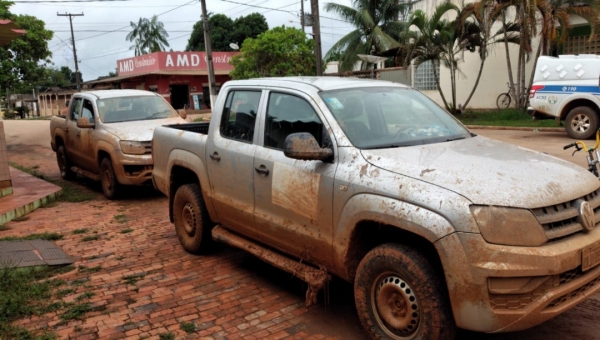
567 89
373 182
106 136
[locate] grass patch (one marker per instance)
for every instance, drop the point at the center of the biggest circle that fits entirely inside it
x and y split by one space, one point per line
85 269
133 279
166 336
85 296
90 238
43 236
76 311
25 292
61 293
126 231
70 191
79 282
80 231
121 218
188 327
506 117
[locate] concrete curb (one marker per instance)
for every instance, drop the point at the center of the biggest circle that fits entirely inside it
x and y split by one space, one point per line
516 128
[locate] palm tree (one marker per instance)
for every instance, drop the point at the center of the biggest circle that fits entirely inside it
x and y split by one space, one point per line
376 28
437 41
148 36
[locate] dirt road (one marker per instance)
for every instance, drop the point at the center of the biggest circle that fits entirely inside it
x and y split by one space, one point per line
228 294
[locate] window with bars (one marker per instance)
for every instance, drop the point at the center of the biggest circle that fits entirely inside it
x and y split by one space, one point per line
424 76
582 45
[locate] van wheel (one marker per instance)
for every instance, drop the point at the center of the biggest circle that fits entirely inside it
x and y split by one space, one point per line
399 295
108 179
64 165
192 222
581 123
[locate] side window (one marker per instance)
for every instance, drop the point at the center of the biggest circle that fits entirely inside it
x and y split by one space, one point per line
76 109
88 110
287 114
239 115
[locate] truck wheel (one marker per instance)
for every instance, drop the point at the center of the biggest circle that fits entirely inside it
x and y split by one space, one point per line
192 222
581 123
110 184
64 165
398 295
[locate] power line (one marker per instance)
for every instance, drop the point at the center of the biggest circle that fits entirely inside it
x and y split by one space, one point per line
256 6
61 1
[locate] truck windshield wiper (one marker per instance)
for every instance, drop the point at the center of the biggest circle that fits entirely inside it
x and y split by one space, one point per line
453 139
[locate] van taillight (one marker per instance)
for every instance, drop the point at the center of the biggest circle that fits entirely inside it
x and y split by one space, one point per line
534 88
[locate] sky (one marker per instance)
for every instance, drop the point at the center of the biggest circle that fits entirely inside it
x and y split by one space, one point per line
100 33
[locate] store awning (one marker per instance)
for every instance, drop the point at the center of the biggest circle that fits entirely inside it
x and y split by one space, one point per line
9 31
161 72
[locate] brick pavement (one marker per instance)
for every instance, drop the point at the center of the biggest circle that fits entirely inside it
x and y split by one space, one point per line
227 295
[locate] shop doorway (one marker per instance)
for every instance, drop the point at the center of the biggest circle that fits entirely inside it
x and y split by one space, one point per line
180 96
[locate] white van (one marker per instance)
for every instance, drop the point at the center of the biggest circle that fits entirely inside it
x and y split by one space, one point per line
568 89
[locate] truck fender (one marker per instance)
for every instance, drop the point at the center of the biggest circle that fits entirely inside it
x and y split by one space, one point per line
104 146
578 96
58 134
192 162
405 216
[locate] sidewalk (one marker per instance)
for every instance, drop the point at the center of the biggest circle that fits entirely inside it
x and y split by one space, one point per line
29 193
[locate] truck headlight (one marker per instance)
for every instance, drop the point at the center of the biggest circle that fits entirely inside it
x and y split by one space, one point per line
509 226
132 147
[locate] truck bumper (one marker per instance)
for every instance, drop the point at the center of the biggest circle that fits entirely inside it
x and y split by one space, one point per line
502 289
133 169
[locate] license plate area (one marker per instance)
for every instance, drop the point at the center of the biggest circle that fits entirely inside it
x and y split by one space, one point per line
590 256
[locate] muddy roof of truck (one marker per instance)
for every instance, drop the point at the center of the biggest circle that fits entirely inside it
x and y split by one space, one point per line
318 83
103 94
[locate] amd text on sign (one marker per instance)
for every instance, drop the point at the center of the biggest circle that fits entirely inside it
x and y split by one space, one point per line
169 61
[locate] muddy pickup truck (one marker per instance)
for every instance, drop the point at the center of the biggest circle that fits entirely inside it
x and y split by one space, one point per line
371 181
106 136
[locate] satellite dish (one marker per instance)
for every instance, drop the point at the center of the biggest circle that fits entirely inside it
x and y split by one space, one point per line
234 46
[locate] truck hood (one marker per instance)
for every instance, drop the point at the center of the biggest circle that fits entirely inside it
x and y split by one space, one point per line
489 172
139 130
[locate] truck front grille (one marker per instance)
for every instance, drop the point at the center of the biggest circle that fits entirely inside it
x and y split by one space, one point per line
148 146
560 220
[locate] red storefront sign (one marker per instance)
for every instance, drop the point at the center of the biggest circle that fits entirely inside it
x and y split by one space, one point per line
170 61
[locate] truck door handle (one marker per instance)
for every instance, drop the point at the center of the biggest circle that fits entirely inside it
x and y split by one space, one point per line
215 156
262 170
66 129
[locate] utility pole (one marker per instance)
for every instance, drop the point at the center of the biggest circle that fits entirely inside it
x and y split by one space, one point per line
302 15
317 36
209 60
77 80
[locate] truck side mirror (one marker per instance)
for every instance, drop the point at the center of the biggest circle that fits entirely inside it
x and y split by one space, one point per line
182 113
304 146
84 123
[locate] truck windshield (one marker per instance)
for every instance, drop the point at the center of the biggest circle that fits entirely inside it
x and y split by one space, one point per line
123 109
386 117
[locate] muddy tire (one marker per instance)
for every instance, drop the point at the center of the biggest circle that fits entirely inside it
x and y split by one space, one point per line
108 179
399 295
581 123
192 222
64 165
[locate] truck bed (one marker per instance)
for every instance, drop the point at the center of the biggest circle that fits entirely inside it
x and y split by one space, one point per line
201 128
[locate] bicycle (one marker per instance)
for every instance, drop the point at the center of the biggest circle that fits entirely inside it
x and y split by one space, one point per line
592 162
504 99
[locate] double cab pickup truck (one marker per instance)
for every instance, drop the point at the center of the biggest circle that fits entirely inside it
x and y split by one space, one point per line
371 181
106 136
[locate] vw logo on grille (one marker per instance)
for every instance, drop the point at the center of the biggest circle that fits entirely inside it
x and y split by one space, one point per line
586 216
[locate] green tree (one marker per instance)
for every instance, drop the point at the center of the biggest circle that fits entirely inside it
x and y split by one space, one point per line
69 75
281 51
23 61
221 28
53 77
376 26
148 36
249 26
